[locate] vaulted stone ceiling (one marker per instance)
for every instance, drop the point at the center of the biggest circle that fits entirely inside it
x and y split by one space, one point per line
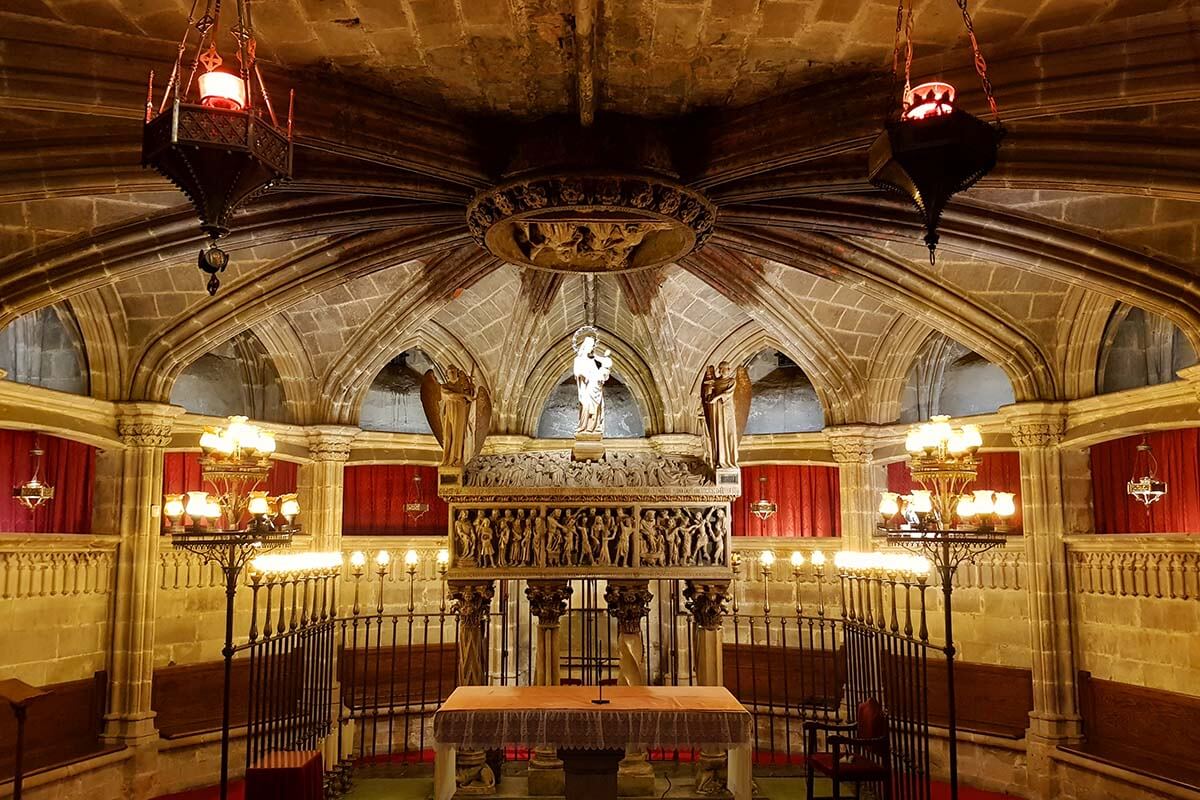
403 112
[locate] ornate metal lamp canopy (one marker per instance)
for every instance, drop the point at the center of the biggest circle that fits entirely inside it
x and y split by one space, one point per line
237 521
208 137
931 149
1144 485
33 492
763 508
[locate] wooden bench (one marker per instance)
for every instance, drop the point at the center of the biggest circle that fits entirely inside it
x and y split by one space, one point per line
61 729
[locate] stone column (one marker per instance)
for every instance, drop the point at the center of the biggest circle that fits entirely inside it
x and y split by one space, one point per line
860 481
706 603
629 602
145 428
1037 430
548 602
322 484
471 601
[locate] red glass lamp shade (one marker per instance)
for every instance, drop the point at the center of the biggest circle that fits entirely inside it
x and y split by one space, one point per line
224 90
932 99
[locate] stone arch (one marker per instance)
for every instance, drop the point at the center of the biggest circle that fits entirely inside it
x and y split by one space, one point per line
46 348
890 365
101 318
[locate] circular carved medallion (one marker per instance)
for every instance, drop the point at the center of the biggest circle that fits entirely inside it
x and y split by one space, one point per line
591 223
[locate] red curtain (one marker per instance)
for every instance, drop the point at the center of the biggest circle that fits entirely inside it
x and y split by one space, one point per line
1000 472
181 473
1178 456
375 496
70 467
808 499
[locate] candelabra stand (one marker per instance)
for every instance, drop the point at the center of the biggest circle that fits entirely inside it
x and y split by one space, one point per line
231 551
946 551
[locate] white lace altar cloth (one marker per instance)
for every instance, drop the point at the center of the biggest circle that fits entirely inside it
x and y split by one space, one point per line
564 716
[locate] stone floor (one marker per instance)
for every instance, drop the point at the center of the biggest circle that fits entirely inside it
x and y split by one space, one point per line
512 788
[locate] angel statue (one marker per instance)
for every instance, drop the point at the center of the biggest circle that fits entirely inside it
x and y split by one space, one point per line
725 396
591 370
459 413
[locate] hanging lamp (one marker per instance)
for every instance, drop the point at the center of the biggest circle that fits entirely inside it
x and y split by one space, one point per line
33 492
1145 486
207 135
763 508
930 149
416 507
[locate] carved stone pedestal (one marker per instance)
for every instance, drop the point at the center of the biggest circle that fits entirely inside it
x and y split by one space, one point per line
450 476
588 447
635 775
472 775
728 477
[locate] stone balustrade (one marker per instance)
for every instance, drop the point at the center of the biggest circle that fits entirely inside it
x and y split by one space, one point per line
55 565
1158 567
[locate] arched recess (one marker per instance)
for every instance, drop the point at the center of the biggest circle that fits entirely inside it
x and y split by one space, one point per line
1083 342
1140 349
628 365
238 377
392 402
46 348
623 417
783 399
438 349
948 378
295 369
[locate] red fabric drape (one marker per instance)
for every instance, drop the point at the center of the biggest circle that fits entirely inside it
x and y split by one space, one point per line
1178 456
375 496
70 467
181 473
808 498
1000 472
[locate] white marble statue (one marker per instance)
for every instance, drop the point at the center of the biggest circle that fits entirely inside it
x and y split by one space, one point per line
725 396
591 370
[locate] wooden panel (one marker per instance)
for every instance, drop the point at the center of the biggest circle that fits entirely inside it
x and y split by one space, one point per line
394 676
187 698
61 728
761 675
1149 731
990 699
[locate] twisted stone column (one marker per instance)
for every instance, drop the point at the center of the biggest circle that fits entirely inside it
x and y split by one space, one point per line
860 480
706 603
1037 430
322 483
629 602
471 600
548 602
145 428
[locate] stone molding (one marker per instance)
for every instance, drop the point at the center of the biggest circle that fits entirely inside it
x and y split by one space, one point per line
706 602
852 444
548 600
628 602
1035 425
146 424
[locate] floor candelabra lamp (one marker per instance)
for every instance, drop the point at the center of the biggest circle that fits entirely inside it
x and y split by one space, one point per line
946 523
232 525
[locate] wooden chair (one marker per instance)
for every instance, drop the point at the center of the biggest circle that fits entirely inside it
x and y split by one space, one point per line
858 759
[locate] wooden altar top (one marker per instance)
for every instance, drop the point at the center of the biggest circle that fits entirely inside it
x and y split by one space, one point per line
564 716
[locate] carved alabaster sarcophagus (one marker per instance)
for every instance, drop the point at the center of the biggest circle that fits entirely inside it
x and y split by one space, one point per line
632 514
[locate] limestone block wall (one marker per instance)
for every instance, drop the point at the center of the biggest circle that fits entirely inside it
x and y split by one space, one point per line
1136 601
55 600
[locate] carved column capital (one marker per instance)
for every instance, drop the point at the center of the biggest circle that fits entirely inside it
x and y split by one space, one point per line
851 444
1035 425
146 424
705 601
3 374
330 442
628 601
548 600
471 601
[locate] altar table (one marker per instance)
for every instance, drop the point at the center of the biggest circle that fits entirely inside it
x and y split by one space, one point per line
666 717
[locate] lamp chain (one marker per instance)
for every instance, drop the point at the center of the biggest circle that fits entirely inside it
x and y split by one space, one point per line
980 63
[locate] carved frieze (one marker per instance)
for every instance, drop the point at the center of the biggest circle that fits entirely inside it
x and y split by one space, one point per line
616 470
593 539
